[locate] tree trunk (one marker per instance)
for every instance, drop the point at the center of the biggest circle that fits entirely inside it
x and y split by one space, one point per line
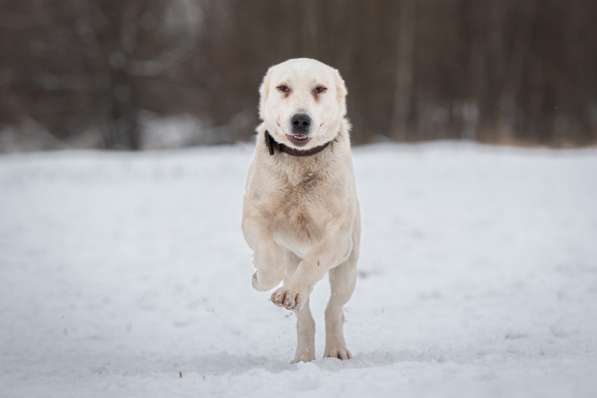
405 70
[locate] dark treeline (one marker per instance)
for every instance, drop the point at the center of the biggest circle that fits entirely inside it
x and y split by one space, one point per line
504 71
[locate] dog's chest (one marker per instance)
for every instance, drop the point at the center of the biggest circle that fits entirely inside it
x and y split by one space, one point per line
297 216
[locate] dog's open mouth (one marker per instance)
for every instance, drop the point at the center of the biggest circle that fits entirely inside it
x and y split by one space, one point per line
298 139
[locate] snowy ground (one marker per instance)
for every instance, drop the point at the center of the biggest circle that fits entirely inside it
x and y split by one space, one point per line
119 273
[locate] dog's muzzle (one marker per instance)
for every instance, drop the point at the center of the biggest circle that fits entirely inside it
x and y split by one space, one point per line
301 124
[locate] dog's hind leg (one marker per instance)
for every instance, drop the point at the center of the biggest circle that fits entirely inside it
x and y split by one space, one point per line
305 331
342 282
305 324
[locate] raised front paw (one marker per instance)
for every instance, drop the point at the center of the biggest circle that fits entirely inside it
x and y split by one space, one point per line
290 299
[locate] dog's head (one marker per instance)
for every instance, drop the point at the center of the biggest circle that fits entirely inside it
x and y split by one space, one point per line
303 102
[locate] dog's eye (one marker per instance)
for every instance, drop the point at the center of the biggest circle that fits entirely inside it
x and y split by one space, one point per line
283 88
319 90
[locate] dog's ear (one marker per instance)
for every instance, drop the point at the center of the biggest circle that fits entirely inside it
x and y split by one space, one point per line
341 92
263 94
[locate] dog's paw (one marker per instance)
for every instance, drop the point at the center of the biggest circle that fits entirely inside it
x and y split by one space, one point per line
304 357
338 353
288 298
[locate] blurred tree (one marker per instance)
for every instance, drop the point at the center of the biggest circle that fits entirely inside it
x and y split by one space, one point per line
490 70
88 61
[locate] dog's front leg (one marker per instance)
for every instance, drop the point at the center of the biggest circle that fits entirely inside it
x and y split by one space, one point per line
327 254
268 257
269 261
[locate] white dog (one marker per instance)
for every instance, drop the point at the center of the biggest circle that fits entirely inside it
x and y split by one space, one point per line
301 213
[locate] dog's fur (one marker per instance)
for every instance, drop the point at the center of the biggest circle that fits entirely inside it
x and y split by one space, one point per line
301 214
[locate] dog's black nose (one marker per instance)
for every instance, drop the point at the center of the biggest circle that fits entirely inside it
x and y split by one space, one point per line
301 123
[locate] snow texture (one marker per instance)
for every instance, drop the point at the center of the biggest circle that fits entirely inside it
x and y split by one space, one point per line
126 275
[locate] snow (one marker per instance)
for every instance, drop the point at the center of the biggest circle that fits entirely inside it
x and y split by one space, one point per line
120 273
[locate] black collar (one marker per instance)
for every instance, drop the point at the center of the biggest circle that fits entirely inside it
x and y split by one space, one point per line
273 145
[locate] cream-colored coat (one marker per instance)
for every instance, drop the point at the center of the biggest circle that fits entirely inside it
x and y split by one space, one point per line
301 214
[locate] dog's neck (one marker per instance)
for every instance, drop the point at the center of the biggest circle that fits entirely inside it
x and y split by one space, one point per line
273 146
295 169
